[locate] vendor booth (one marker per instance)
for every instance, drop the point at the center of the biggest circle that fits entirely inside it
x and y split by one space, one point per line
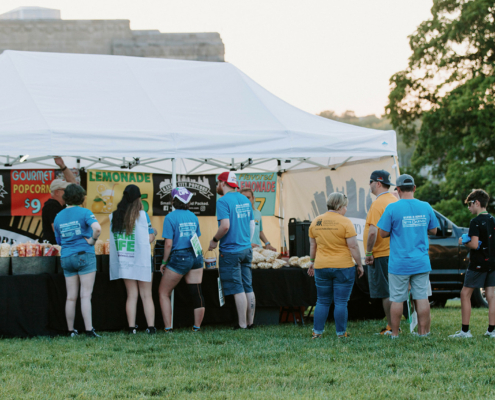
156 123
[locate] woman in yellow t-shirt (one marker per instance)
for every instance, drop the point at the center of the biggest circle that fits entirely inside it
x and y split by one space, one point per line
333 243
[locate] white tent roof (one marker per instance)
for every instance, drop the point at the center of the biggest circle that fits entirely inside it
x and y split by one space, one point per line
112 106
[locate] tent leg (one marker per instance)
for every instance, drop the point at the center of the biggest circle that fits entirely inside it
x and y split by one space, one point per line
174 185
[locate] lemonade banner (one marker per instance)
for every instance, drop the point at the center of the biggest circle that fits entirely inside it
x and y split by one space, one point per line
24 192
105 189
264 186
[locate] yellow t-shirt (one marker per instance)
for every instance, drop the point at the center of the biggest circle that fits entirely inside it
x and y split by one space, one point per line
382 246
330 231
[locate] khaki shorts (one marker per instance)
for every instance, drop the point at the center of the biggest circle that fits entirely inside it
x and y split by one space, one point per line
399 285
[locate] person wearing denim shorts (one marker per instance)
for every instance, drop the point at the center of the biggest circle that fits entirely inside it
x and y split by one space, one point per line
235 230
408 222
179 258
76 230
333 245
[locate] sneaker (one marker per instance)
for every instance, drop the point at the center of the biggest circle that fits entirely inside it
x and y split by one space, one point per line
461 334
394 337
250 326
73 333
196 329
491 334
150 330
169 330
92 334
344 336
132 331
238 327
387 331
316 336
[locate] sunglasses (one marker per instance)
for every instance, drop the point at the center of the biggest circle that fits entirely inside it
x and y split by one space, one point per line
371 181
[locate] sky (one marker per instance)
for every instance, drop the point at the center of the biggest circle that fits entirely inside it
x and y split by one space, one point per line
316 55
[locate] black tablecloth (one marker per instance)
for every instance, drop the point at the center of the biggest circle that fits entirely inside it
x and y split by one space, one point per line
32 305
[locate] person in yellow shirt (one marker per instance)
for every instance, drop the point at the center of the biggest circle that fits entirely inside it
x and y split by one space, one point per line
333 245
378 249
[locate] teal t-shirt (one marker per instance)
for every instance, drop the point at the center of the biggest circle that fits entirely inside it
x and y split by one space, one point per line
238 210
258 227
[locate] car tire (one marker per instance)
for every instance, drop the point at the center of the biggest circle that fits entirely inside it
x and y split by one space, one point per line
478 299
438 303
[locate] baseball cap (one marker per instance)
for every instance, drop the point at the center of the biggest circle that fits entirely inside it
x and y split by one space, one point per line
381 176
58 184
131 193
405 180
182 194
229 178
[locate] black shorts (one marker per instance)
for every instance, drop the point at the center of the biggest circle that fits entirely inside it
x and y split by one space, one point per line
378 278
478 280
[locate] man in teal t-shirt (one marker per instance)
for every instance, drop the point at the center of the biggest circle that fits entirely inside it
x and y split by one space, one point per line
235 230
259 235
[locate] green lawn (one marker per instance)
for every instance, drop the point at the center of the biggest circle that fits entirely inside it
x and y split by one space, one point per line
269 362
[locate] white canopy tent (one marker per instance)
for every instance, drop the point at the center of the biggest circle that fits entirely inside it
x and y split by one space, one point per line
109 111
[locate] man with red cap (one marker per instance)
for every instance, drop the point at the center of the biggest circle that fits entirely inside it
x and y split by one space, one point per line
235 229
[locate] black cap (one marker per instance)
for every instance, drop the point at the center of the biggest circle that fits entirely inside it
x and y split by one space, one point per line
381 176
132 193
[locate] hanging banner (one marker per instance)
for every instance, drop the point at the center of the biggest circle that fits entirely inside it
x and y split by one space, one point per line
105 189
203 187
264 186
23 192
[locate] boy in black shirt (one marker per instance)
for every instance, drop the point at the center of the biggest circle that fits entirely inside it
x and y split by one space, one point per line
481 270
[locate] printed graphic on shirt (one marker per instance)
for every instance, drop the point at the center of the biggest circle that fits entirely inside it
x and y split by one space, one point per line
243 210
414 221
70 229
125 244
187 229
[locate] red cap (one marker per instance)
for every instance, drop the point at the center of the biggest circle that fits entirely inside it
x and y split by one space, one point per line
229 178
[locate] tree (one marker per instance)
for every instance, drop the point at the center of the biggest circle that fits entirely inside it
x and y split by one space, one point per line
449 86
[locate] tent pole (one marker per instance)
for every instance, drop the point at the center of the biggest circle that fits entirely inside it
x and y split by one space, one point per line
174 185
283 250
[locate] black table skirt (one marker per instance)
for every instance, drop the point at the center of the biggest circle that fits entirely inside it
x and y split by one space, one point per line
34 305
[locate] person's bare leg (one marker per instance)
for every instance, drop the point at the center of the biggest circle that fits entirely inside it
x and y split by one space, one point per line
251 307
72 285
147 299
466 304
395 316
169 281
195 276
87 283
386 307
490 297
131 287
241 305
424 317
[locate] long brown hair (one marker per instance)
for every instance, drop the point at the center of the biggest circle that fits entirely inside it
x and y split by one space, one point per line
126 215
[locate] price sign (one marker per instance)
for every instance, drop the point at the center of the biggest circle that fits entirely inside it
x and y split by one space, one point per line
33 205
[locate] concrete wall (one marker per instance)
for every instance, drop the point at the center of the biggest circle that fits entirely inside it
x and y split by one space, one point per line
107 37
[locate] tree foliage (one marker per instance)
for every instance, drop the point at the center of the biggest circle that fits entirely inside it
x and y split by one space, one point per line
449 86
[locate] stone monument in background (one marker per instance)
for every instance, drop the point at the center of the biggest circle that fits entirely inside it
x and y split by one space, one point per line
42 29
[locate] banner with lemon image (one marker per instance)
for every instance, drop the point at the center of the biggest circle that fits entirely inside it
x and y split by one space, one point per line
105 189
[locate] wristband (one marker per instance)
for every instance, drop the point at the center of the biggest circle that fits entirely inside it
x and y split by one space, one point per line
63 169
267 243
369 253
164 262
312 259
215 239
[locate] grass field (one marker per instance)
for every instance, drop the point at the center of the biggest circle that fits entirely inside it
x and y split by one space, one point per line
268 362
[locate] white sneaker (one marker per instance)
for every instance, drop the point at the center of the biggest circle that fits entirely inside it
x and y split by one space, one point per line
462 334
491 334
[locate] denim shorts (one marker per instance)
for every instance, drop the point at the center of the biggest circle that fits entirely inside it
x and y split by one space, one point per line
184 260
81 263
235 272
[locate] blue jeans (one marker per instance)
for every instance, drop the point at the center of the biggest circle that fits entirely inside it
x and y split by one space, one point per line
333 285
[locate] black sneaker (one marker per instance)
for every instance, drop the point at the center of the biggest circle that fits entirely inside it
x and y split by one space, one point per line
196 329
92 334
73 333
131 330
151 330
250 326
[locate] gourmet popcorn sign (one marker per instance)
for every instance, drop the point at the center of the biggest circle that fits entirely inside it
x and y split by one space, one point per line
24 192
